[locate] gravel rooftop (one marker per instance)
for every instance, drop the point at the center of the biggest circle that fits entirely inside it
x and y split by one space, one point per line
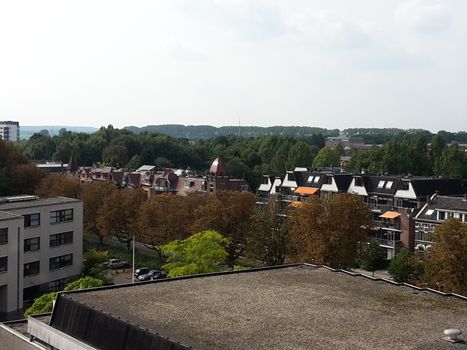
298 307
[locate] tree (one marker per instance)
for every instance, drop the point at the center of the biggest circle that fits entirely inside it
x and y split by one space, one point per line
135 162
200 253
94 196
93 263
327 157
84 283
301 154
229 213
268 240
119 214
328 232
446 264
116 156
44 303
372 257
400 268
54 185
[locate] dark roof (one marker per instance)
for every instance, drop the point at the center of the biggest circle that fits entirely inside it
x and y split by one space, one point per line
372 182
446 203
429 186
295 307
301 177
342 181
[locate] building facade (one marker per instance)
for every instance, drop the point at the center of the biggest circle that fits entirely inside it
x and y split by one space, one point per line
9 131
40 247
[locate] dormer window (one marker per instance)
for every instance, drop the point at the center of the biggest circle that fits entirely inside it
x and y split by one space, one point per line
404 186
316 179
381 184
389 185
310 179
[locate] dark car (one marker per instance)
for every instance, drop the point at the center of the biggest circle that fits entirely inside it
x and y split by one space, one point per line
142 271
152 275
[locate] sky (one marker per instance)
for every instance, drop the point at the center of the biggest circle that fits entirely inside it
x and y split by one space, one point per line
325 63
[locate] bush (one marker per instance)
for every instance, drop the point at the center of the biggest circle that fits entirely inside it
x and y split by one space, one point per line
400 267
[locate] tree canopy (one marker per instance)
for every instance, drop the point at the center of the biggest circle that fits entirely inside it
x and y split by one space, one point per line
200 253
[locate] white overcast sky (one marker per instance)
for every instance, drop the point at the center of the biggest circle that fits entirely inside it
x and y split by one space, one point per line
327 63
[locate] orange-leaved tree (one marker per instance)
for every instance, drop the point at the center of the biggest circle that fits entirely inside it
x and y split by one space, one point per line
328 232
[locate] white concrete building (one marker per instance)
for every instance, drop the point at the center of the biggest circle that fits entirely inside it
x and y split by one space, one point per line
41 247
9 131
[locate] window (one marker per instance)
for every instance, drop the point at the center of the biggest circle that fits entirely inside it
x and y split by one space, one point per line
389 185
3 264
61 239
316 179
310 179
32 220
4 235
358 182
58 285
429 212
441 215
381 184
60 261
31 268
328 180
61 216
32 244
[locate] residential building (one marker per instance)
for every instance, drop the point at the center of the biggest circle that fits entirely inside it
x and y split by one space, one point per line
42 247
435 212
9 131
218 179
298 306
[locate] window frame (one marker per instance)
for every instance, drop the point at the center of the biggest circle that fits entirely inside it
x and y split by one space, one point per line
60 262
28 221
3 269
61 215
28 241
32 272
4 233
60 239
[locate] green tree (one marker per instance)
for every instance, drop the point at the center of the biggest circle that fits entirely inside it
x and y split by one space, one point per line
372 257
268 240
93 263
327 157
446 264
301 154
44 303
400 268
200 253
116 156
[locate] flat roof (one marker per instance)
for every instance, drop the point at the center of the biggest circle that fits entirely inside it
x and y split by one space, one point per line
296 307
36 203
8 216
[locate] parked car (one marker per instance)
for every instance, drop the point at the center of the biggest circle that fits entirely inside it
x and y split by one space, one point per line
142 271
117 264
152 275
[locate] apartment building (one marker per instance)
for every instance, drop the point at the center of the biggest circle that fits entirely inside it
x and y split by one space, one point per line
40 247
9 131
435 212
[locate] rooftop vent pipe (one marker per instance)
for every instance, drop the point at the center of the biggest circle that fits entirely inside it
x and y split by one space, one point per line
453 335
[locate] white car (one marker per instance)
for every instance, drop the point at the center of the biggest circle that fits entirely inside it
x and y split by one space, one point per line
117 264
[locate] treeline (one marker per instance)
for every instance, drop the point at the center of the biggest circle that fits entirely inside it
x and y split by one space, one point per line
410 156
375 136
196 132
246 157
